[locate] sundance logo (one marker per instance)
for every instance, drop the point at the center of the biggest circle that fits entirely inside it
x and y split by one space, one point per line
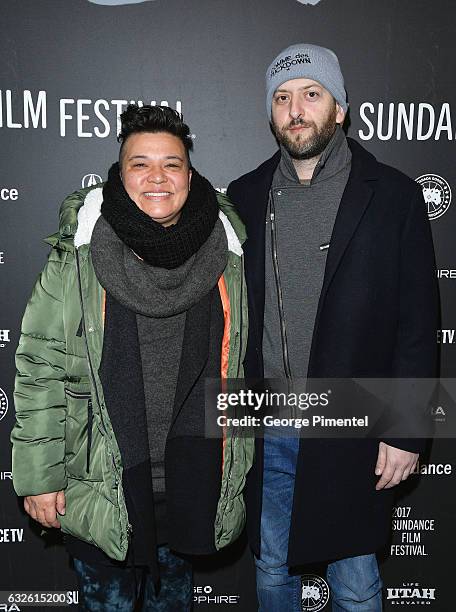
8 194
410 593
446 336
8 536
433 469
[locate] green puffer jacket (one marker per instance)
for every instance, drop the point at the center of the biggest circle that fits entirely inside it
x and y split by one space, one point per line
58 386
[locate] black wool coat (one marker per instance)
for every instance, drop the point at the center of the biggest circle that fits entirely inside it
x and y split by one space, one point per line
377 318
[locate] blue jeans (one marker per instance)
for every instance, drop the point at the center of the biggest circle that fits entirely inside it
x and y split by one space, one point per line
105 588
354 582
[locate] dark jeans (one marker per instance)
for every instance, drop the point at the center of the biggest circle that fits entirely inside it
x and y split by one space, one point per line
355 582
106 588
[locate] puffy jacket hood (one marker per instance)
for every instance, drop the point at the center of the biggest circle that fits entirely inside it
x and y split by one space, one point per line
83 208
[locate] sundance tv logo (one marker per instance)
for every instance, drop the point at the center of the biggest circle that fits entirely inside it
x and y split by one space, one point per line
437 194
410 594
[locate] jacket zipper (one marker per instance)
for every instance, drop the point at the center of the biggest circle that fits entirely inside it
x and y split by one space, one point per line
92 375
275 263
240 315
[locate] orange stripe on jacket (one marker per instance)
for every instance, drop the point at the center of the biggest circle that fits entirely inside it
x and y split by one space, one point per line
225 346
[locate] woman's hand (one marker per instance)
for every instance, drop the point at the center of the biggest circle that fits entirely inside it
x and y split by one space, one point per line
44 508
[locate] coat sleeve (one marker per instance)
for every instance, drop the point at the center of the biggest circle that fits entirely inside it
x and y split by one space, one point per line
416 351
38 436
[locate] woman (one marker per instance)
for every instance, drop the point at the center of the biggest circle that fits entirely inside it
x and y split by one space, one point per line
142 299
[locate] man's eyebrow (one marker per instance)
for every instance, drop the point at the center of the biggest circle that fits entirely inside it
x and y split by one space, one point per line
279 89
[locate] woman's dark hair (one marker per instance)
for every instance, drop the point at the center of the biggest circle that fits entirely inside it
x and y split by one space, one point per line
153 119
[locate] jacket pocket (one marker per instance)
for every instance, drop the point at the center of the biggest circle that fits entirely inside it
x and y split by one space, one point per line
80 435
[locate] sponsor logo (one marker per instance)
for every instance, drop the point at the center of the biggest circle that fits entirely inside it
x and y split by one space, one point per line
117 2
9 608
314 593
89 180
8 536
2 257
3 404
443 273
437 194
433 469
410 594
446 336
439 414
4 337
6 475
8 194
204 595
409 121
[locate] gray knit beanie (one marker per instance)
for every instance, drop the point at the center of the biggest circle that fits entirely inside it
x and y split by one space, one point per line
308 62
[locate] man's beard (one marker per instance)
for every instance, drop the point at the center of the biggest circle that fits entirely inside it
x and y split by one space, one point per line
312 145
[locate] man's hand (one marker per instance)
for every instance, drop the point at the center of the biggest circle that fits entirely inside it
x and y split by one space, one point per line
393 465
43 508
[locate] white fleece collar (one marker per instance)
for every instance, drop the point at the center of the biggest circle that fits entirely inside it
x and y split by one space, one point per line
91 209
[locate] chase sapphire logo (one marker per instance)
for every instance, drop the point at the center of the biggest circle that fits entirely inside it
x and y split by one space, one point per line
3 404
314 593
118 2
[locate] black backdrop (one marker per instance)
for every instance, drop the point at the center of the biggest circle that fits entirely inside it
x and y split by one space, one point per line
67 69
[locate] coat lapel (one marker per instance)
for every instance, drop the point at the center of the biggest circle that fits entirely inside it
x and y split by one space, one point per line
355 200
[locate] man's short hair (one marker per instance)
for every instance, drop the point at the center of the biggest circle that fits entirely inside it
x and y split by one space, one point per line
153 119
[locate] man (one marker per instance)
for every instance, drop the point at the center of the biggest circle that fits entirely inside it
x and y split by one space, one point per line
125 323
340 274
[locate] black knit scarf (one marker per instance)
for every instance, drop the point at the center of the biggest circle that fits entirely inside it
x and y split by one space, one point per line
163 247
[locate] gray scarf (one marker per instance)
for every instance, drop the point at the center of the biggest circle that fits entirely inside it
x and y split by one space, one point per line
156 292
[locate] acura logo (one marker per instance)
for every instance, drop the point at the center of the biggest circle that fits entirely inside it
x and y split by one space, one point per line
89 180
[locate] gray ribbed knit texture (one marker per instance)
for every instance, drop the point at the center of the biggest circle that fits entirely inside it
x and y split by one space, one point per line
305 215
306 62
160 299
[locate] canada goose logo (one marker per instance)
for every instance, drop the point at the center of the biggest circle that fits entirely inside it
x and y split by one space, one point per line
437 194
119 2
314 593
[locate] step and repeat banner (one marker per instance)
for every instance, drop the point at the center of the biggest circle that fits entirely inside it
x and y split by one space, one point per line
67 70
